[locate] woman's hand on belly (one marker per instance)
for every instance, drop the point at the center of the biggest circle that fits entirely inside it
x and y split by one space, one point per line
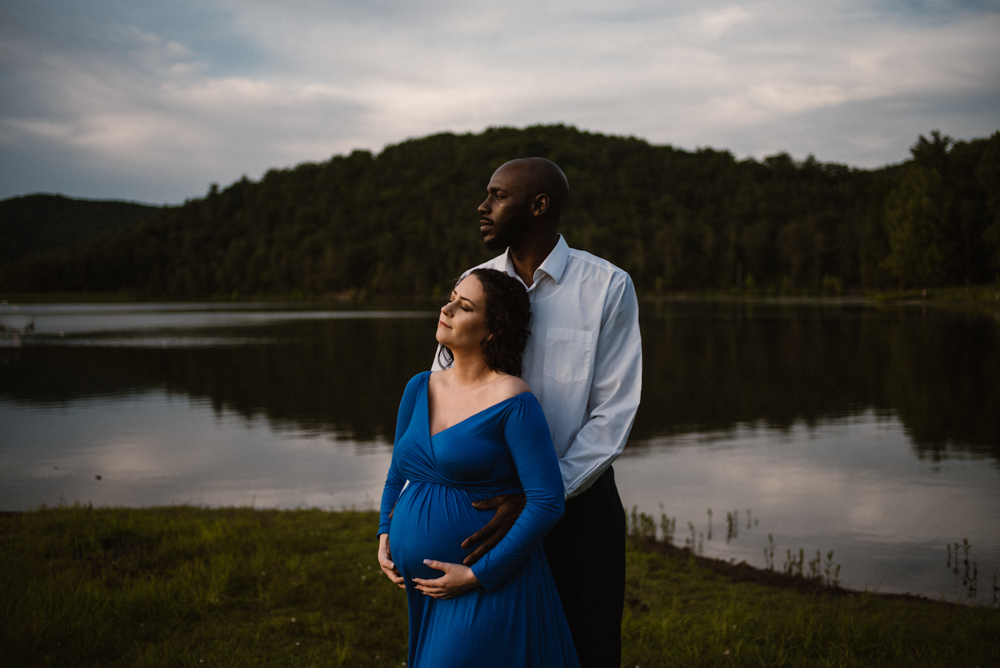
385 561
457 579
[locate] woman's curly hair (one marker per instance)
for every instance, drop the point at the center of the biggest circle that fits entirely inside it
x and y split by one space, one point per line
508 311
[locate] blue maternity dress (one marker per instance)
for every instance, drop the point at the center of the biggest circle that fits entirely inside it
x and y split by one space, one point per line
515 618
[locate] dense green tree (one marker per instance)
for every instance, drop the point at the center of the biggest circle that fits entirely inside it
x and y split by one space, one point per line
404 222
988 180
915 221
41 222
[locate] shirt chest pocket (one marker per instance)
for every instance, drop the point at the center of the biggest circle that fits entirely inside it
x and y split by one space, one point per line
568 354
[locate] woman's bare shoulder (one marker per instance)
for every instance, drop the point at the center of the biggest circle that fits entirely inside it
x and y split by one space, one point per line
508 386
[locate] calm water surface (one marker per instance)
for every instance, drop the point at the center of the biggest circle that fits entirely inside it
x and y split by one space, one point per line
873 432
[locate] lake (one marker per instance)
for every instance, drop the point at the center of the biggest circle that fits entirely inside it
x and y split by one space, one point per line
872 431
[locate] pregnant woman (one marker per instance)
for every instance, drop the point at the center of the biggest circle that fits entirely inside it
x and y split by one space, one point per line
467 433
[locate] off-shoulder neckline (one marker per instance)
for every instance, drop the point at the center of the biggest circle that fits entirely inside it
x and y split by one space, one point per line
427 396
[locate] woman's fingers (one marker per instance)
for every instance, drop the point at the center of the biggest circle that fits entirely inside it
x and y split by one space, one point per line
438 587
439 583
438 565
393 575
440 595
457 579
385 561
386 564
433 588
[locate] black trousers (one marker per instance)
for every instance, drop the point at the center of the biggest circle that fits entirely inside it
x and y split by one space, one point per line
586 552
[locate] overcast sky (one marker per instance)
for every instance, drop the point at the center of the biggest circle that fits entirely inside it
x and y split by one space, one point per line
155 100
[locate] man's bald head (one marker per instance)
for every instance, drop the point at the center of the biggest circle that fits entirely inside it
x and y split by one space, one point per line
523 204
538 176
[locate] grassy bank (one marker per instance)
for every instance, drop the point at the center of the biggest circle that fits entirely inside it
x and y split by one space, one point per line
234 587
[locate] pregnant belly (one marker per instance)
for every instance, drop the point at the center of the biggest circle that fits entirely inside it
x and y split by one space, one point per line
430 521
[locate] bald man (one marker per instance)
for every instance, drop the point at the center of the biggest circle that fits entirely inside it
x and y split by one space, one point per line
583 362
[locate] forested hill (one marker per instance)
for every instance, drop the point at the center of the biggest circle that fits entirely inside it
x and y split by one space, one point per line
405 223
36 223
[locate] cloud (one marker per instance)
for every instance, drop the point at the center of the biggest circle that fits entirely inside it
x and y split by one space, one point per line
715 23
150 101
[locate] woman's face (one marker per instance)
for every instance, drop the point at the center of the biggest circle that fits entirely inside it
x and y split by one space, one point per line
462 325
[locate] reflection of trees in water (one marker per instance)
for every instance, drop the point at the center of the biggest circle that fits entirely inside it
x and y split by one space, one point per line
708 367
715 366
342 377
944 380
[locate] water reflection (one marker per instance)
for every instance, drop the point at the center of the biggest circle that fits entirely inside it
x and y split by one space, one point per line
708 367
712 367
850 484
341 376
158 449
870 431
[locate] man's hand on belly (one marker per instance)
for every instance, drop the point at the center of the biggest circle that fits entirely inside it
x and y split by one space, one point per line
508 508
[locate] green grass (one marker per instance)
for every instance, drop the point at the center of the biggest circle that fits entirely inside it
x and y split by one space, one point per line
682 613
190 586
240 587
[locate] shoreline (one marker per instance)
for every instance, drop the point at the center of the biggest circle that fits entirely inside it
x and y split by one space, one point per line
741 571
985 296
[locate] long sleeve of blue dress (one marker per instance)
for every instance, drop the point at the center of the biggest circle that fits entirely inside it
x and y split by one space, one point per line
395 480
527 435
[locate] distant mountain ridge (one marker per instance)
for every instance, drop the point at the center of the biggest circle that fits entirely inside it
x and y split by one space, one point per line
404 222
43 222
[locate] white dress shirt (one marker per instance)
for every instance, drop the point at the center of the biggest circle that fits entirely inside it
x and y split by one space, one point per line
583 360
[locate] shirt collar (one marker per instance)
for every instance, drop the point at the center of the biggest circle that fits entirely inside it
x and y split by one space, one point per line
554 265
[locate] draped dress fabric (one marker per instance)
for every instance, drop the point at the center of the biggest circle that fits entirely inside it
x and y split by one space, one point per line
515 618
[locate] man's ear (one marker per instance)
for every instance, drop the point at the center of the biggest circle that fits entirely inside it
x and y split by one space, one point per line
540 204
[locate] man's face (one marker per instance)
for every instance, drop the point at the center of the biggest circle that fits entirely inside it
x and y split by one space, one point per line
505 214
